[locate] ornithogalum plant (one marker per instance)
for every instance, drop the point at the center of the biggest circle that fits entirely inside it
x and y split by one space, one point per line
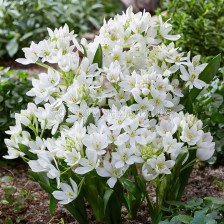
105 123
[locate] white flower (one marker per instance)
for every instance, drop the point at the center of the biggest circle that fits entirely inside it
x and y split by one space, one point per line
81 111
78 91
132 134
192 77
72 158
206 147
88 69
43 164
88 164
148 173
15 130
164 30
13 152
176 90
62 32
159 102
37 145
40 91
67 193
69 62
51 78
161 165
113 73
109 170
30 55
171 146
166 126
97 142
51 116
143 105
124 156
47 52
191 135
119 119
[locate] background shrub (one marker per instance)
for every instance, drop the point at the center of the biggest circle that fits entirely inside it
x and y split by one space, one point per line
24 20
201 24
13 88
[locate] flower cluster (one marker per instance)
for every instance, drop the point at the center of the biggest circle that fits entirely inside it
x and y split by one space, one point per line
87 118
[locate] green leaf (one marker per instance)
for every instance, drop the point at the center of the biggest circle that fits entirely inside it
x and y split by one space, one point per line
8 221
76 213
113 212
52 205
131 187
194 202
25 149
217 117
185 174
6 179
207 76
199 218
107 195
210 221
175 203
5 202
174 220
184 218
93 196
90 120
164 222
141 184
42 179
12 47
9 190
218 201
98 57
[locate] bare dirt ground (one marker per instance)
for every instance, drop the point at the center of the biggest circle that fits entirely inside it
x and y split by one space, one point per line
31 69
204 181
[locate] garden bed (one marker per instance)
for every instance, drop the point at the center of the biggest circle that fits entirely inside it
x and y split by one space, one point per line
204 181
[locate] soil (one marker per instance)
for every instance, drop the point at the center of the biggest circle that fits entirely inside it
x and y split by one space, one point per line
31 69
204 181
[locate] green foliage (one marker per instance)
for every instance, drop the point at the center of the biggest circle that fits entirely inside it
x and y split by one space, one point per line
13 88
25 21
98 57
201 24
209 210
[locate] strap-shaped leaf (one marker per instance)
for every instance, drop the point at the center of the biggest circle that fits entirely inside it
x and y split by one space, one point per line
98 57
131 187
25 149
207 76
90 120
52 205
106 198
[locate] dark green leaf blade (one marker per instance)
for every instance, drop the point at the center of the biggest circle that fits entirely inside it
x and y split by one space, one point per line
25 149
52 205
98 57
106 197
